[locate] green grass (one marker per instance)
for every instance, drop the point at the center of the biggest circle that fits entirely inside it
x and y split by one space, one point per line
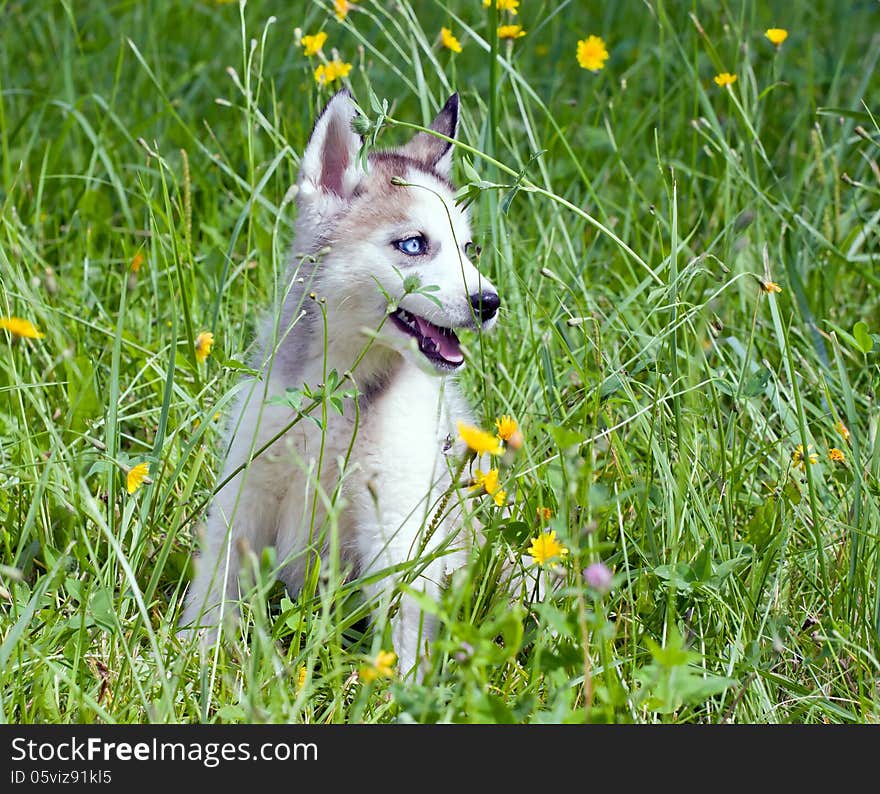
661 392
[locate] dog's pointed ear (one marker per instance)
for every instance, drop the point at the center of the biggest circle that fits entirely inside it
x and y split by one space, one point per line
329 163
431 150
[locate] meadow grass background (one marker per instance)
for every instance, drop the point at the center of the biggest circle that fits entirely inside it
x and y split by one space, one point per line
661 391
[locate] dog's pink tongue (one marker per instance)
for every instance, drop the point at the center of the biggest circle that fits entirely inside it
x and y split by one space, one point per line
447 342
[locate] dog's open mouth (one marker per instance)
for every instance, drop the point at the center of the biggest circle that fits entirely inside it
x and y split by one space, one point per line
439 345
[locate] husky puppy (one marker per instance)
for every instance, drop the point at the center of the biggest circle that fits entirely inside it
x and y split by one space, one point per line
379 281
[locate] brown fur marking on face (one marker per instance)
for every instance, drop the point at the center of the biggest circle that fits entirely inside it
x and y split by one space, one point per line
391 163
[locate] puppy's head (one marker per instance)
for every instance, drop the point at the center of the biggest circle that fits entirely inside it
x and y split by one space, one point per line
399 245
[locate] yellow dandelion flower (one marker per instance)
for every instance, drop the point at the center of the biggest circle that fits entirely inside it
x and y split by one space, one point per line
547 549
507 426
136 477
724 79
843 430
776 35
510 32
204 343
487 482
478 440
835 455
800 459
330 72
504 5
312 44
770 287
23 329
341 9
544 513
592 53
381 667
137 262
449 41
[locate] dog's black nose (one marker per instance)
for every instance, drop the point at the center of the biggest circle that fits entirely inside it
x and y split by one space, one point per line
485 305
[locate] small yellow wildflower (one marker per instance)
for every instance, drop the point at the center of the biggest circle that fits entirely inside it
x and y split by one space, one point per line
724 79
341 9
544 514
800 459
329 72
301 677
24 329
504 5
770 287
776 35
449 41
835 455
510 32
381 667
137 262
592 53
136 477
508 431
506 427
204 343
312 44
546 548
488 482
478 440
843 430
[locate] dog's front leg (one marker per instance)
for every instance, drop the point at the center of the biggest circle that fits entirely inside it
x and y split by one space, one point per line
409 569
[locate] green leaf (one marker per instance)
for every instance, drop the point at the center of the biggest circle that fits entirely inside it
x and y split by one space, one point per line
864 340
756 383
680 576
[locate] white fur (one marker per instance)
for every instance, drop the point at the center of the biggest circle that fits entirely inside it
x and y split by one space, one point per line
401 459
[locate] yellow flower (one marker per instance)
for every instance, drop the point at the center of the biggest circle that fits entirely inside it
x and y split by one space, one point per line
843 430
449 41
592 53
546 548
725 78
506 427
21 328
329 72
301 677
504 5
478 440
834 454
137 262
204 343
136 477
487 481
800 460
545 513
776 35
312 44
341 9
509 431
770 286
381 667
510 32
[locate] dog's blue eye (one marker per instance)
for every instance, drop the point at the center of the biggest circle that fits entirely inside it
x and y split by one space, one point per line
412 246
